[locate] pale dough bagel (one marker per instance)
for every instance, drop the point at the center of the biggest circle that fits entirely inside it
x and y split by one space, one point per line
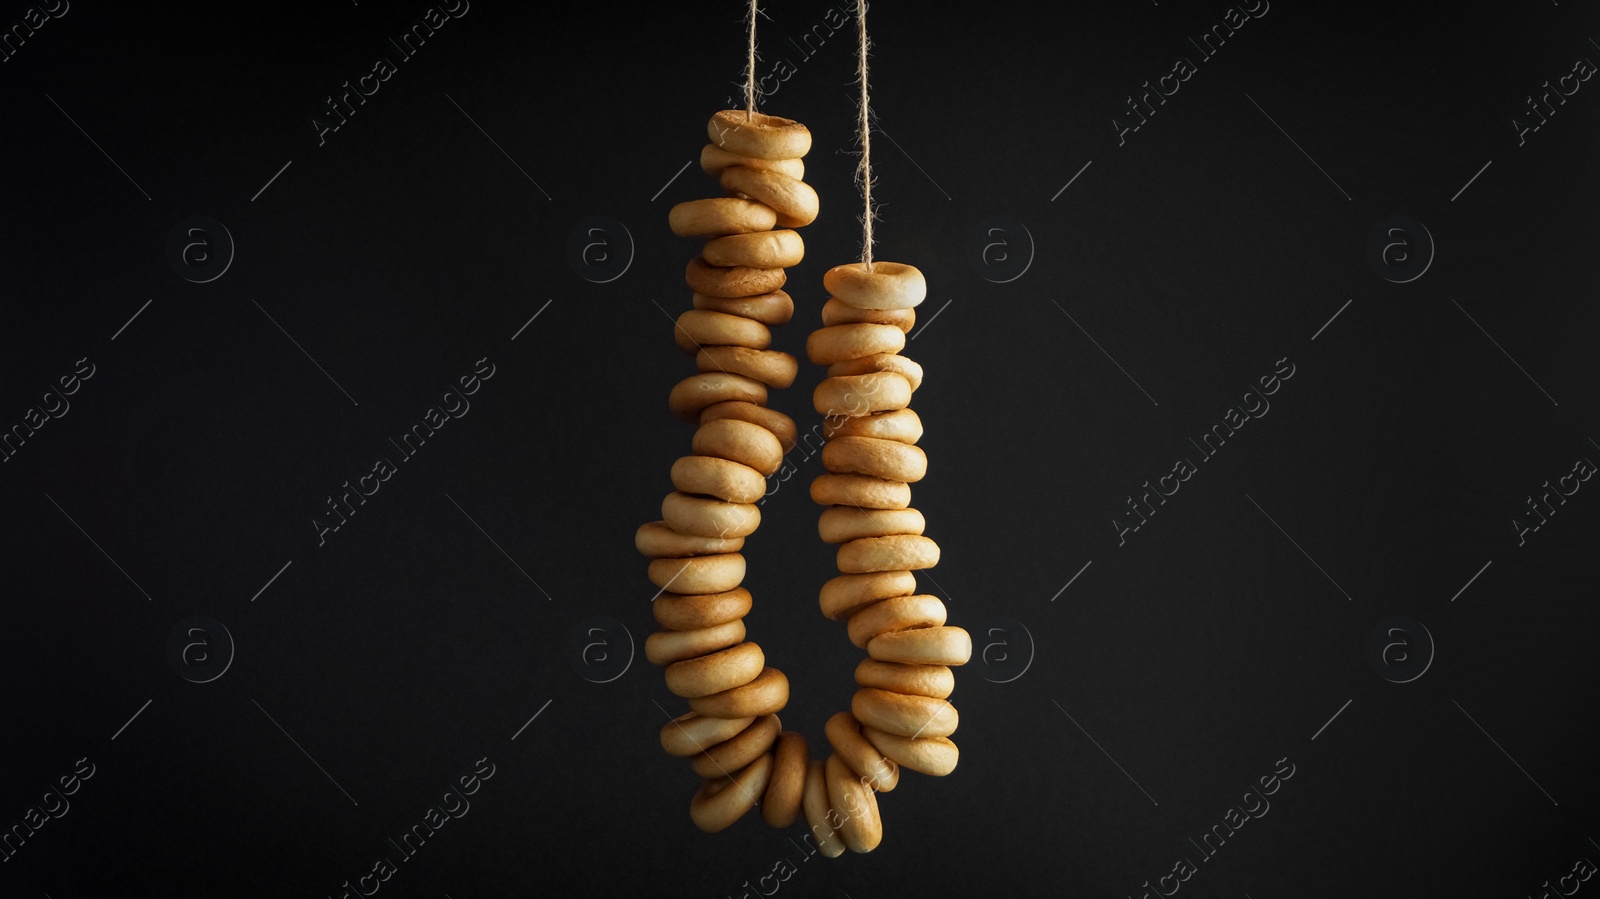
657 541
771 367
765 695
712 476
842 596
734 281
711 674
794 200
819 812
666 647
898 553
930 755
923 646
897 613
692 611
696 392
780 805
760 249
781 425
743 442
841 524
699 574
878 458
937 681
879 362
908 716
889 285
860 490
759 135
699 328
835 312
709 517
713 159
838 343
844 735
690 734
718 803
775 308
717 216
852 396
901 425
739 750
861 829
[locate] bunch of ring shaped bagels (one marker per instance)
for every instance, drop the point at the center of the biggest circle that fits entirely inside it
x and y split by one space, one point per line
900 716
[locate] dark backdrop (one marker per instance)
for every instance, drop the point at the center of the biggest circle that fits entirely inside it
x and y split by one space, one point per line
1353 588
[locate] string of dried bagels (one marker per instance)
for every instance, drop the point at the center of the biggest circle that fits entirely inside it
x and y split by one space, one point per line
900 716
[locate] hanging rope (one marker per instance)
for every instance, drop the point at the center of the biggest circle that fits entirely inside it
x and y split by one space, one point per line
750 69
864 168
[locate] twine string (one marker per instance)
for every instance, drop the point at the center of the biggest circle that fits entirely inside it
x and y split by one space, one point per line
750 67
864 168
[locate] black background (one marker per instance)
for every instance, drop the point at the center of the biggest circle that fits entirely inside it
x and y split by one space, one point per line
422 636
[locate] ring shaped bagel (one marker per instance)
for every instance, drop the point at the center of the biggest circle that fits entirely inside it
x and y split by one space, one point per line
761 249
713 159
759 135
773 368
793 200
711 674
775 308
718 216
887 285
693 611
719 803
666 647
691 734
733 281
